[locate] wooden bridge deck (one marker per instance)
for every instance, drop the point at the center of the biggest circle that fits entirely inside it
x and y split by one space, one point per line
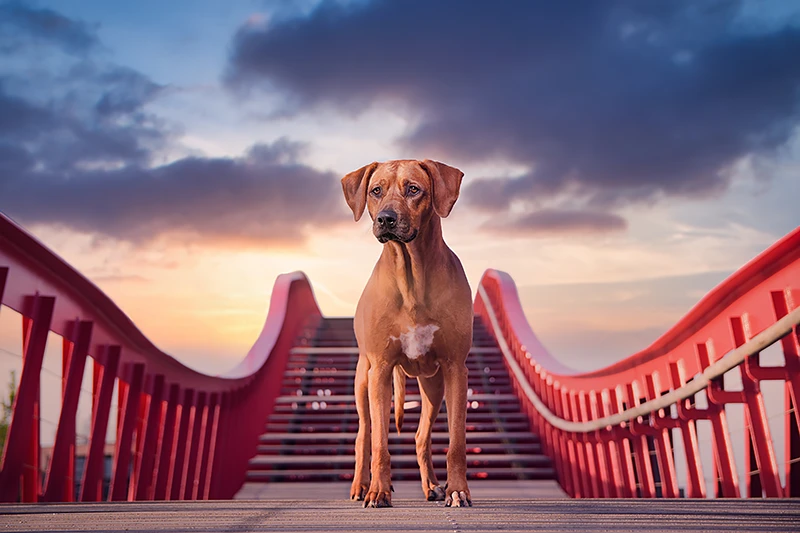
409 515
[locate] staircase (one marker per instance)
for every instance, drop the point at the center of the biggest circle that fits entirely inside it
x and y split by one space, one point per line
310 435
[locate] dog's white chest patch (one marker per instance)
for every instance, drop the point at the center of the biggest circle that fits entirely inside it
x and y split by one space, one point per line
417 340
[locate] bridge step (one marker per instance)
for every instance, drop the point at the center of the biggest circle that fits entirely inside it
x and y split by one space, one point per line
400 448
472 436
346 474
311 434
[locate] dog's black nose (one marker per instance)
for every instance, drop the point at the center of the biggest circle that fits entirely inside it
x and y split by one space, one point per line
387 219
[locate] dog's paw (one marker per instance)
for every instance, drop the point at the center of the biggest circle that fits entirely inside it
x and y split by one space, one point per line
458 498
378 499
358 491
436 494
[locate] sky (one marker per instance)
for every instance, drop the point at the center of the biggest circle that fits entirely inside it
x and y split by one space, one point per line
621 158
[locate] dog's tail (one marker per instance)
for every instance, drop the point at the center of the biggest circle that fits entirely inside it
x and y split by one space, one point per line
399 397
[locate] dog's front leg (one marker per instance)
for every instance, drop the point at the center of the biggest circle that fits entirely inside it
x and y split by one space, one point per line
455 390
361 476
380 399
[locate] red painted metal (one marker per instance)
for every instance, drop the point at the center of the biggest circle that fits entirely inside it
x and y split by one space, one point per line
60 483
129 407
31 273
199 417
598 462
221 428
695 487
212 419
143 488
105 374
166 444
211 424
22 441
782 302
175 484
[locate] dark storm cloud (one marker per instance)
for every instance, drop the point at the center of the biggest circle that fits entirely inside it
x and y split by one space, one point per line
78 148
607 103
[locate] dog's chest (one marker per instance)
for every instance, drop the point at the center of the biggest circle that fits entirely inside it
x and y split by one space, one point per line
416 340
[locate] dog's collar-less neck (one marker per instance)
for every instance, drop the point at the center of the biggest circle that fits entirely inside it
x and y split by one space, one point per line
411 261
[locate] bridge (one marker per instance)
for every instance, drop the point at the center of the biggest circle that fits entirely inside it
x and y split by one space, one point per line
641 445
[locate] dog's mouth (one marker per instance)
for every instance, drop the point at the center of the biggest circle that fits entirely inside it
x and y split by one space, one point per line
390 236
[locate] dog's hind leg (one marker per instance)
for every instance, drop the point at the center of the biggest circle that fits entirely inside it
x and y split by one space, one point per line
363 439
432 391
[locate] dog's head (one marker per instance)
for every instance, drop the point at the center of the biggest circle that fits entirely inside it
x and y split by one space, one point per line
401 196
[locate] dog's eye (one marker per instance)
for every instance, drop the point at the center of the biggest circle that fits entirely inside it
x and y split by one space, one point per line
376 191
413 189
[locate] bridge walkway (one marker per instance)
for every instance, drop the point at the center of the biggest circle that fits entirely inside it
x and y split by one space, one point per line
568 515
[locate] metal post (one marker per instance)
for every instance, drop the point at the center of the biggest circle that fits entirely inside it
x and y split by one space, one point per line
91 487
122 451
60 484
22 441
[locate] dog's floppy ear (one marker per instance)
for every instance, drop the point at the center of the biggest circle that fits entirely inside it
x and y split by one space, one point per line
354 186
446 182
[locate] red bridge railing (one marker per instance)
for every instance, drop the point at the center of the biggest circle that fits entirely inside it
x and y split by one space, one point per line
610 432
180 434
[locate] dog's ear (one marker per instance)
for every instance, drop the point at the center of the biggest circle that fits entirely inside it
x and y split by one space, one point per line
446 182
354 186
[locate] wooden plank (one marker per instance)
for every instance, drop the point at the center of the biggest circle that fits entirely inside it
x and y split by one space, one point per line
510 515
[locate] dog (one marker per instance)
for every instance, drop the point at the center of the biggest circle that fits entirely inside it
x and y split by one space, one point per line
414 319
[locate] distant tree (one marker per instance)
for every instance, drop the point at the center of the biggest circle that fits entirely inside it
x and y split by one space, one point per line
8 405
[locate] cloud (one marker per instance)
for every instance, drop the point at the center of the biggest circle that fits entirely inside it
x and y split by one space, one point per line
80 149
22 25
551 221
261 197
606 103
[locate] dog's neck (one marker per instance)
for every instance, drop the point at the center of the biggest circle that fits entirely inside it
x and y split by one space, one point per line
414 264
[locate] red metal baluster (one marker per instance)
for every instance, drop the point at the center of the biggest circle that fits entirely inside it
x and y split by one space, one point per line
212 419
564 465
724 463
572 448
696 487
239 415
143 488
176 484
592 447
21 456
612 474
91 487
622 442
122 449
216 478
138 439
666 461
193 446
60 484
641 449
554 437
756 417
166 455
580 449
783 303
30 472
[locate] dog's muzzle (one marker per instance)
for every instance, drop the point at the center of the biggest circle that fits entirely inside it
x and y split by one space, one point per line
387 228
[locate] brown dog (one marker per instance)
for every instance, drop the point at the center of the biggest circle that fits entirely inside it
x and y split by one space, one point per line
414 318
